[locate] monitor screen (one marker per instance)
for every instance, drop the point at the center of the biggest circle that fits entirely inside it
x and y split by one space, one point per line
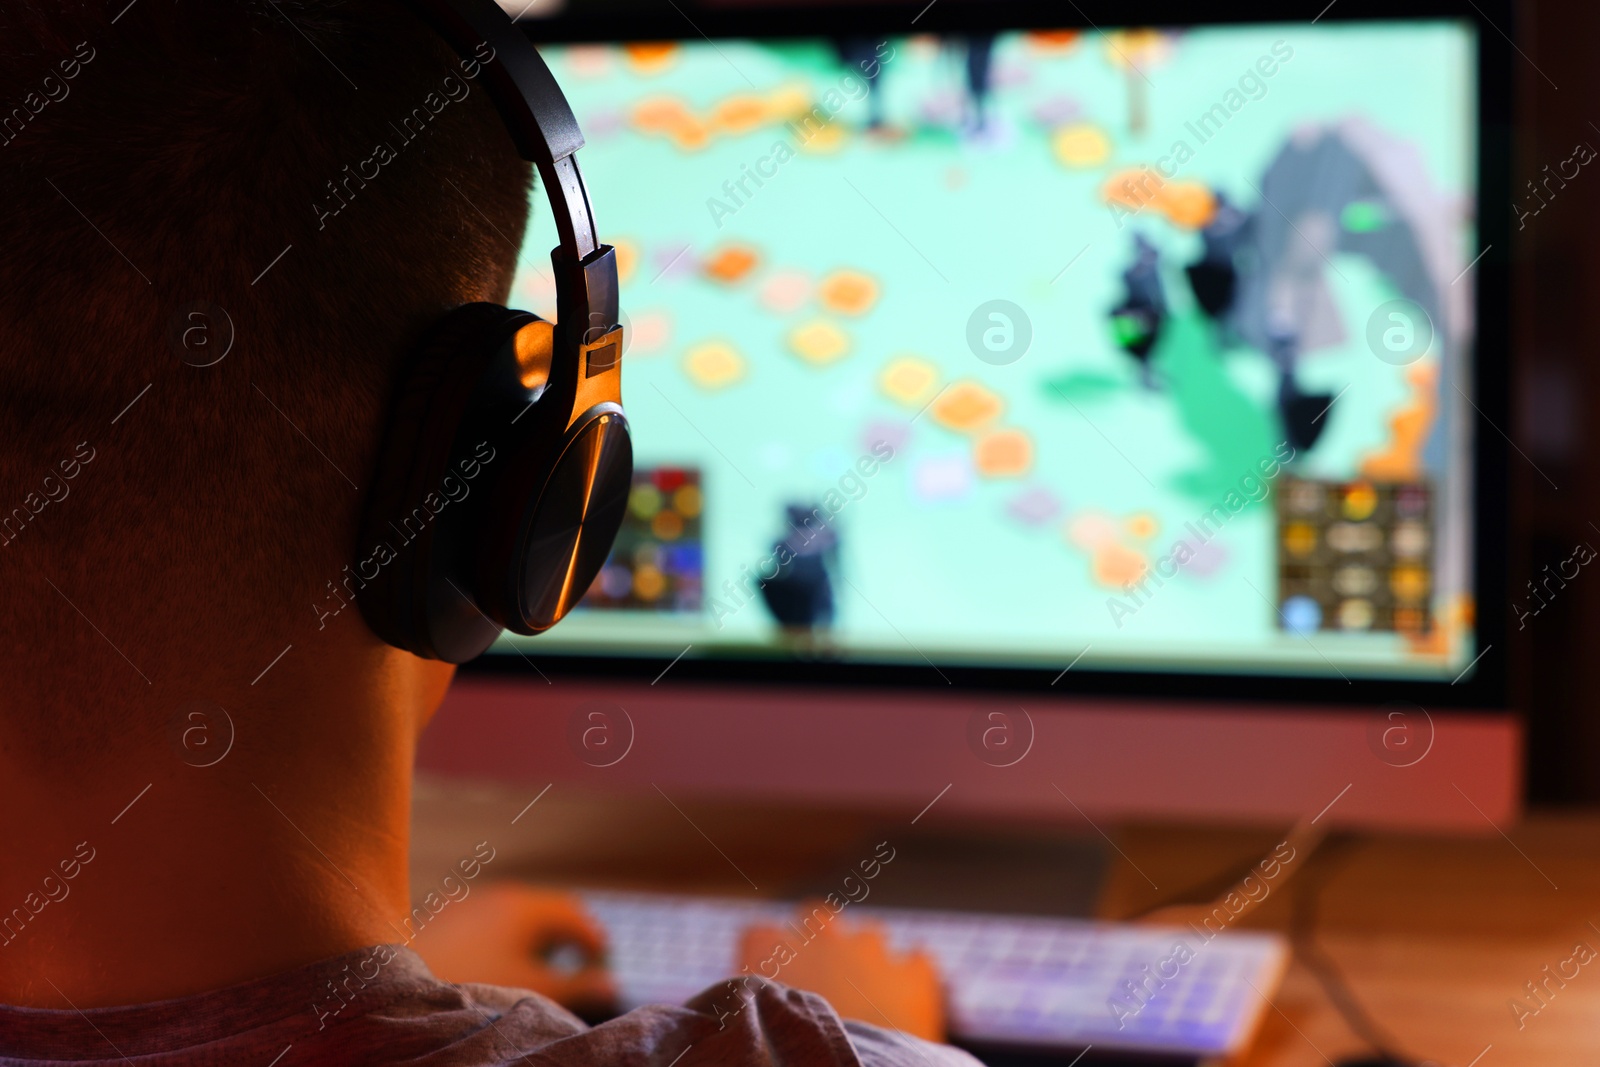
1133 350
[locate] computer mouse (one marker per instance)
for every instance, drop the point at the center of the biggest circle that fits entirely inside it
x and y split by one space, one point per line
567 958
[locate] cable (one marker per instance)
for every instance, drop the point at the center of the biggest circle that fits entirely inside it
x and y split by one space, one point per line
1302 940
1302 836
1332 851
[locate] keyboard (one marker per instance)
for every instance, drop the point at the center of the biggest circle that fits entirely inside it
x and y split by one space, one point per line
1011 981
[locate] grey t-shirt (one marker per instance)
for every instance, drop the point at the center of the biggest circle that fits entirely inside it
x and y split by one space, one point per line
382 1006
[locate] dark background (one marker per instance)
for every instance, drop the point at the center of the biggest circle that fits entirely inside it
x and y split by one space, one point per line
1556 399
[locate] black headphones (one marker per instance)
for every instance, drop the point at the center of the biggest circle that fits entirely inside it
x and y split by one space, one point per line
506 466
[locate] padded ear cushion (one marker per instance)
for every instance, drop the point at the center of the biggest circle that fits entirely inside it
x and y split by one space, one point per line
410 526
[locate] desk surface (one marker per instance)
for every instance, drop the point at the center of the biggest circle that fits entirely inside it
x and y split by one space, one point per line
1438 937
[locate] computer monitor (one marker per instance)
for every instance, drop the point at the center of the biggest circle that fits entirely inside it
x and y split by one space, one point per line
1093 420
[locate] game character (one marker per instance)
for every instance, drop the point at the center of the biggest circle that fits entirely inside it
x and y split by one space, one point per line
1302 415
979 69
1136 322
800 596
1214 277
862 56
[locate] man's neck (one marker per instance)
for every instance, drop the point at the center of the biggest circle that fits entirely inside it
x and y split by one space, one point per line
229 847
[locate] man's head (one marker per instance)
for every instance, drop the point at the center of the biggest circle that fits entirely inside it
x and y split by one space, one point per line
317 181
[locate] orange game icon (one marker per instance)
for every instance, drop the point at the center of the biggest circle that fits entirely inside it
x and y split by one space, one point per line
848 292
909 380
1409 583
788 101
819 342
691 136
825 139
686 500
966 406
730 264
667 526
650 57
1133 187
1057 41
1082 145
649 583
739 114
1117 565
1300 538
1004 453
1142 525
660 115
1189 205
1360 501
713 365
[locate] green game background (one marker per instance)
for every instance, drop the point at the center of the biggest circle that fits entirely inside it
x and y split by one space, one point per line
961 580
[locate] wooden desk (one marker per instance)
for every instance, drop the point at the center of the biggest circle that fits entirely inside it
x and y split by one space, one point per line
1436 936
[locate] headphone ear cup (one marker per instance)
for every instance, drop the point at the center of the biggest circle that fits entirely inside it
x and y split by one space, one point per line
423 514
554 518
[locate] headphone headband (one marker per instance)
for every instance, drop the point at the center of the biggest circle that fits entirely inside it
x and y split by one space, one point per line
531 104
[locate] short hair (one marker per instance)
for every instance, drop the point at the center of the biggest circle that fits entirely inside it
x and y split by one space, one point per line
321 178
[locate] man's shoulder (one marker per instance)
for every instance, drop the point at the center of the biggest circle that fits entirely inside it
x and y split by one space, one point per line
773 1026
383 1006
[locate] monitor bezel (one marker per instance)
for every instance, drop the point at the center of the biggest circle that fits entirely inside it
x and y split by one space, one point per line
1484 685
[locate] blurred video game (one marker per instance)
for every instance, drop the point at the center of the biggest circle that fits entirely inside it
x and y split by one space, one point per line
1126 328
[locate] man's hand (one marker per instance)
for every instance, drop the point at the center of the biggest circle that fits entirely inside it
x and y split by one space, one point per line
853 969
509 934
